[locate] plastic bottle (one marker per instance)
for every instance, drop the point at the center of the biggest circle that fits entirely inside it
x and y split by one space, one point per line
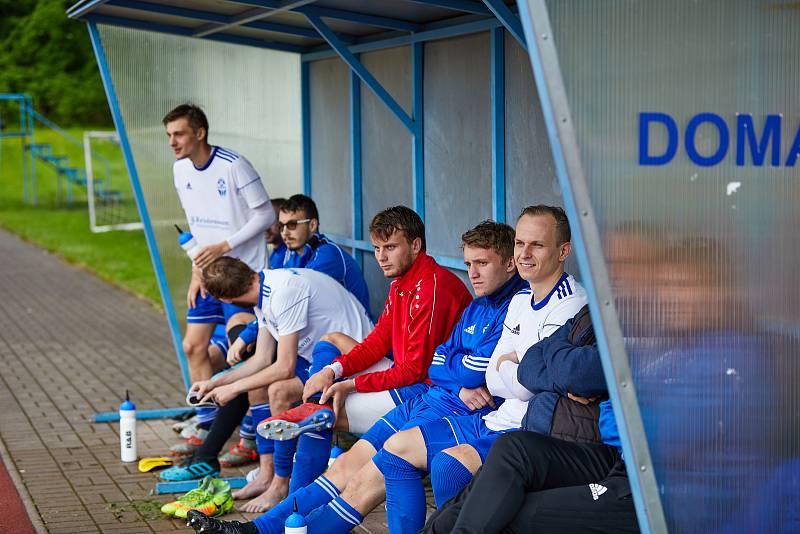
295 523
127 430
188 243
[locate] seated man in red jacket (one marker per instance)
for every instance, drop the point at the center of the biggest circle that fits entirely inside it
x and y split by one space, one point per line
366 380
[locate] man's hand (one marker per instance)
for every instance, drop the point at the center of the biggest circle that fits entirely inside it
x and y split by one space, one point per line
582 400
210 253
225 394
235 351
510 357
476 398
319 382
338 392
202 389
195 285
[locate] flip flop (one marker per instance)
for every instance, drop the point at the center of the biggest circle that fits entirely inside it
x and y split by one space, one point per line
148 464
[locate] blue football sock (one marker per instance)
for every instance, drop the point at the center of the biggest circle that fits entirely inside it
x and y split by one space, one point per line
337 517
205 416
247 429
323 354
284 457
311 460
405 495
316 494
261 412
448 477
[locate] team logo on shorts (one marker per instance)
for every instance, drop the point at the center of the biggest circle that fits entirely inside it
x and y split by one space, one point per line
222 188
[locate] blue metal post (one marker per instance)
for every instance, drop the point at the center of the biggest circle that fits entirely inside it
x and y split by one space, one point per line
498 82
23 127
418 133
586 243
509 20
348 57
155 257
305 112
31 157
355 159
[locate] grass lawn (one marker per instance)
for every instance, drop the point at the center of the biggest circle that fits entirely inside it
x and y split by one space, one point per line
120 257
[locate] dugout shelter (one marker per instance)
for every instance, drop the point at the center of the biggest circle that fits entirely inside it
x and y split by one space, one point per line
669 131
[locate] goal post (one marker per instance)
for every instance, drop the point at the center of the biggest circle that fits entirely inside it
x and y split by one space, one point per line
109 192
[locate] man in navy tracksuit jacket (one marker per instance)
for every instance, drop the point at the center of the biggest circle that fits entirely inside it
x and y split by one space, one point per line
532 482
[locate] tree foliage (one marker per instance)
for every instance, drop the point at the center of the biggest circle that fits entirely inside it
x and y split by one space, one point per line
50 57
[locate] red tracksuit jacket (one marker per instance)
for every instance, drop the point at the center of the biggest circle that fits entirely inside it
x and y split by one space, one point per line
421 310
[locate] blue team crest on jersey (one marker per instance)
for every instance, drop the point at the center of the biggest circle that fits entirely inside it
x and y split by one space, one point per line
188 186
222 187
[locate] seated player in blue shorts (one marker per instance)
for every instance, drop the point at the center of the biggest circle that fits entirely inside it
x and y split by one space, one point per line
295 307
457 374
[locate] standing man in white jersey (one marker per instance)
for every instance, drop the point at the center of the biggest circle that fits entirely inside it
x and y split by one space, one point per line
228 210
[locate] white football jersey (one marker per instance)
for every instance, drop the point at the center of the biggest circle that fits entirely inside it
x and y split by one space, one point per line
526 323
311 303
218 200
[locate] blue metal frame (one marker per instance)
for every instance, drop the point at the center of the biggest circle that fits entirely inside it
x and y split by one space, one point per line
112 417
418 133
357 67
305 112
498 103
155 256
77 12
467 6
208 16
509 20
338 14
431 33
356 164
187 32
592 266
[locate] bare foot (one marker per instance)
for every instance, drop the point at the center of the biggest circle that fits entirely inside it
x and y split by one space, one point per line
277 491
256 487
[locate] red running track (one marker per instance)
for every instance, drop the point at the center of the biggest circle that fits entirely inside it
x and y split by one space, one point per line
13 517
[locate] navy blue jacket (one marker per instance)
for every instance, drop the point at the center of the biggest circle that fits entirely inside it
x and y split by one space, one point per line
554 367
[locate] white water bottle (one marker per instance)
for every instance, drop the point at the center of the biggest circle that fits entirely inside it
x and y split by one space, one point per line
295 523
127 430
188 243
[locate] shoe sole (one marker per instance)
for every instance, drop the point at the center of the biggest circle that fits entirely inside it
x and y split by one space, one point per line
280 430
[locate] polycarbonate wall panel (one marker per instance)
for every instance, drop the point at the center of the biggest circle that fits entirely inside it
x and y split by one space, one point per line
458 141
251 97
386 143
377 283
686 115
331 185
530 172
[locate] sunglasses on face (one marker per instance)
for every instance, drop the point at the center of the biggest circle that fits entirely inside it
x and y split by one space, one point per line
291 225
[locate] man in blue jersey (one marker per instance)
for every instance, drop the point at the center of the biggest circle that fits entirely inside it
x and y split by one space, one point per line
457 374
